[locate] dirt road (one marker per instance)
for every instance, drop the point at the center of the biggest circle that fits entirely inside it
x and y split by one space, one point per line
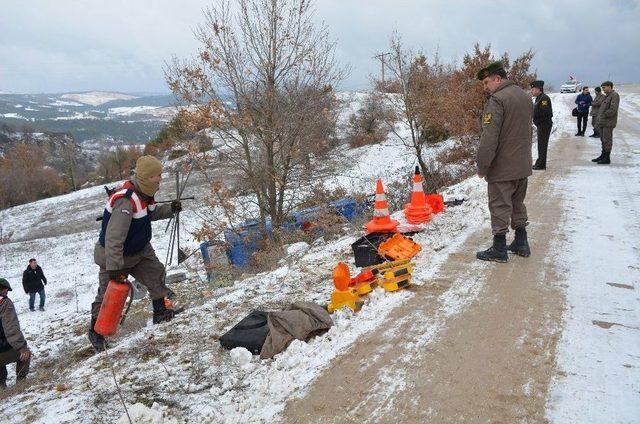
489 358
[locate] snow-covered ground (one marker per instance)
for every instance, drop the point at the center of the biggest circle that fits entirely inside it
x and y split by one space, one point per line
155 112
177 372
599 352
189 374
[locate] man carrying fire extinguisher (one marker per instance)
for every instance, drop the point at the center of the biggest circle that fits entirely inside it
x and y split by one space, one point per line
124 246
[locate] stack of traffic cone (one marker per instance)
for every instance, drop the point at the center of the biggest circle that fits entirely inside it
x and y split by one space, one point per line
418 211
381 222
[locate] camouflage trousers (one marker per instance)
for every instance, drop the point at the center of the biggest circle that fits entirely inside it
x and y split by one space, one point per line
506 205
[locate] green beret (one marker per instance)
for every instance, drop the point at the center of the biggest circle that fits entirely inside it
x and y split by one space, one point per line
537 84
607 83
4 283
492 69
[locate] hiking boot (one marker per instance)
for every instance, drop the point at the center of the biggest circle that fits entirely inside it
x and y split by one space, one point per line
594 135
97 340
41 308
598 158
161 313
578 134
606 159
520 245
497 252
538 167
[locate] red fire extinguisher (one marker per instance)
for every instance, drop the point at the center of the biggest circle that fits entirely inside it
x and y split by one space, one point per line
111 311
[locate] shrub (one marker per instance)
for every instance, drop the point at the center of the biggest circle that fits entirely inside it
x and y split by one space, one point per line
369 124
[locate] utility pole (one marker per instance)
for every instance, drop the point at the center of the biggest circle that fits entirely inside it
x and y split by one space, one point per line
381 57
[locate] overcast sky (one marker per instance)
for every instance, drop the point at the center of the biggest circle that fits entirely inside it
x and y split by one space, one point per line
121 45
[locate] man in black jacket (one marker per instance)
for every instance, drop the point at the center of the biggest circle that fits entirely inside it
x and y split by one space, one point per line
33 281
542 114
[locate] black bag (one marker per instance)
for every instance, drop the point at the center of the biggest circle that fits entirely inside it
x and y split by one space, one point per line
365 249
574 112
249 333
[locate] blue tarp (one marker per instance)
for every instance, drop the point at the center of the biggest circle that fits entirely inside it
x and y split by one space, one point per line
245 240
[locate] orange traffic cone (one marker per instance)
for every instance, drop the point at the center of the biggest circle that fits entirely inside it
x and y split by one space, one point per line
381 222
343 295
418 211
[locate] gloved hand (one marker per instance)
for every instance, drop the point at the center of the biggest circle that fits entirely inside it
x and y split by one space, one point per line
176 206
24 354
118 275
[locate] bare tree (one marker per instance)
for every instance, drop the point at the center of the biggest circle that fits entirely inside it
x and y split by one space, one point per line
400 65
263 82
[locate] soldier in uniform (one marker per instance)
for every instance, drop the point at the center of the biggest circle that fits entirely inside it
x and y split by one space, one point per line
595 108
13 346
124 246
504 160
542 114
606 121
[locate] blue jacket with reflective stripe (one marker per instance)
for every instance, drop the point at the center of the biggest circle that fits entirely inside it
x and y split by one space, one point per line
139 233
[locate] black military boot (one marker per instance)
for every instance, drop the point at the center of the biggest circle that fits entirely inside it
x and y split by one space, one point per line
606 159
97 340
161 313
497 252
598 158
520 245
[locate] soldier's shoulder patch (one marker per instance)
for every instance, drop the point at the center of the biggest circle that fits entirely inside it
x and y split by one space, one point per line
486 118
544 103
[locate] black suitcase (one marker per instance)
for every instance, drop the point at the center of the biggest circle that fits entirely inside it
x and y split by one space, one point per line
249 333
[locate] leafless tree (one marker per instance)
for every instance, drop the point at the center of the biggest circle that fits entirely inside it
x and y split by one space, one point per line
263 82
400 65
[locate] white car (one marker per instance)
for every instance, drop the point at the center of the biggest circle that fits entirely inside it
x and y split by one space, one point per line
571 86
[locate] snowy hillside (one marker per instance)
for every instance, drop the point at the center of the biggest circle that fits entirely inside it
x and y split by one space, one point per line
60 232
177 372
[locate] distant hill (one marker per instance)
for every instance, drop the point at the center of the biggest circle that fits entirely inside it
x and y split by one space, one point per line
90 116
96 98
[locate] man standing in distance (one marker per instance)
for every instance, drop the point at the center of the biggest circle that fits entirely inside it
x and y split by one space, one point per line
583 100
542 114
607 121
595 109
504 160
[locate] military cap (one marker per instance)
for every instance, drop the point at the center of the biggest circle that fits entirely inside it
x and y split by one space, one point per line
537 84
607 83
5 284
491 69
